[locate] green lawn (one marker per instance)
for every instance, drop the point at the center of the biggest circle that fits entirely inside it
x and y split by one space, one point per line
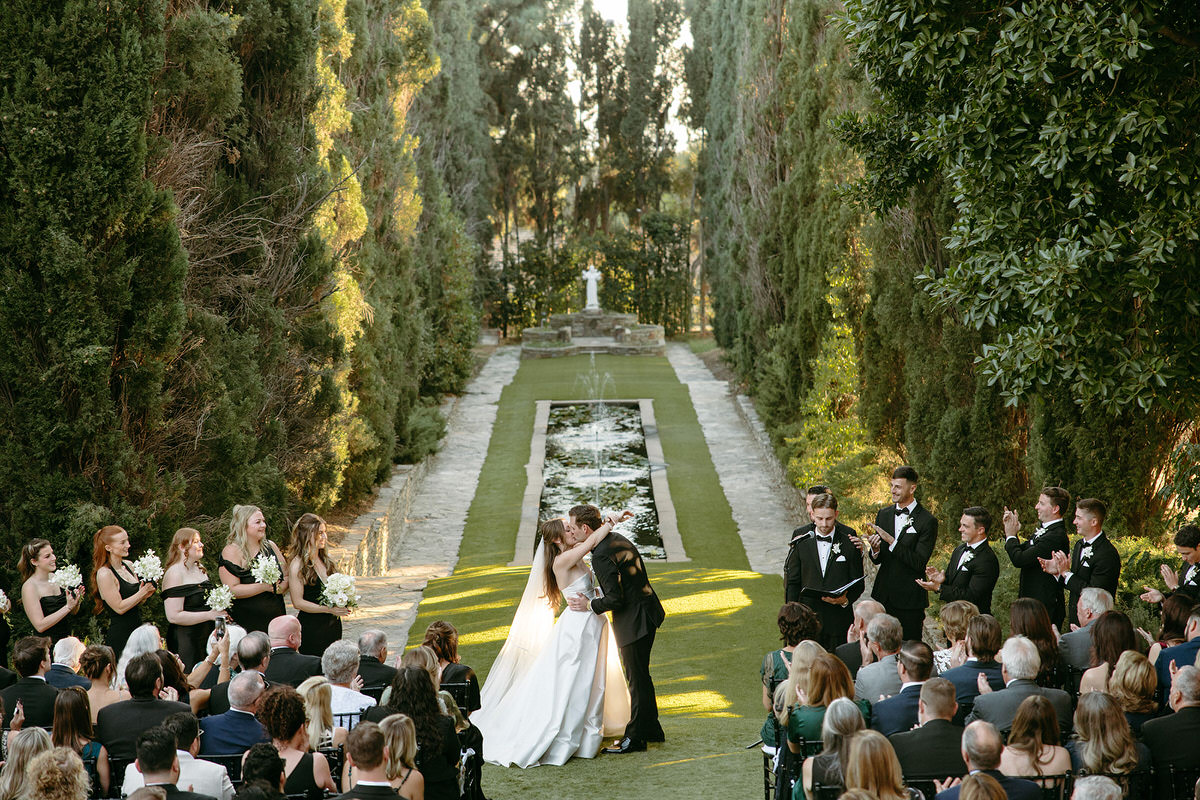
720 616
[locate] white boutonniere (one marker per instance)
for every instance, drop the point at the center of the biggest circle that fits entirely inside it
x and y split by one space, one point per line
1085 553
1191 578
837 549
967 556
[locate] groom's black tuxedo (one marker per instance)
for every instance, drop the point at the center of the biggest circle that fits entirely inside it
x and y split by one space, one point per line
1101 569
974 580
803 571
636 615
899 569
1035 582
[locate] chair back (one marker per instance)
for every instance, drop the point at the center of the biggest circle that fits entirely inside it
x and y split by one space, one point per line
1133 784
336 756
116 773
347 721
823 792
460 691
374 692
1183 782
232 762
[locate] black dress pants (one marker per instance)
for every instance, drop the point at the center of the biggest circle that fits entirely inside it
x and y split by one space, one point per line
912 621
643 720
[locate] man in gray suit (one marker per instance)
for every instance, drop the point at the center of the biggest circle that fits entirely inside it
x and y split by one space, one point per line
1075 647
1019 666
880 678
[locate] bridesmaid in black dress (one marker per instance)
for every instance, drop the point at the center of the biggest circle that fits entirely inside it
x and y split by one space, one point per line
118 590
255 604
48 607
185 599
308 568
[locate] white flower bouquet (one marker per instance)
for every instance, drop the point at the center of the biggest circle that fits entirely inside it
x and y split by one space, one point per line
4 600
219 598
265 568
67 577
339 591
148 568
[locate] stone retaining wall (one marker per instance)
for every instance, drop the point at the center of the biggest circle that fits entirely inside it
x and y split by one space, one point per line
365 548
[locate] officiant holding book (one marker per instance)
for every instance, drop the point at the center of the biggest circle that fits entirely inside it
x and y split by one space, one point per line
826 571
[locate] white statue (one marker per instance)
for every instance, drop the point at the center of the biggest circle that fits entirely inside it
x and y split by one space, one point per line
591 275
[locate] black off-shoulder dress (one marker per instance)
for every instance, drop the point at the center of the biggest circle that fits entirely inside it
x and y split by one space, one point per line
120 626
189 641
255 613
50 604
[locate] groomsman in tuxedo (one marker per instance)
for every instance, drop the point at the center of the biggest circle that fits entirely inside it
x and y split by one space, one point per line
791 566
903 539
827 559
1050 537
1094 560
1187 582
973 569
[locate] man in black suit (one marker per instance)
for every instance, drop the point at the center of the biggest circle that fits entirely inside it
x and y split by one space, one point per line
365 752
903 539
981 749
372 659
854 652
64 670
254 655
1187 582
823 560
636 616
790 586
31 657
899 712
983 642
934 749
1049 538
159 763
119 725
1094 560
973 570
1172 738
286 664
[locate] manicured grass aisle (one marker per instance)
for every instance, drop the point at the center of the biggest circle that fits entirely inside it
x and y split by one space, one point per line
720 616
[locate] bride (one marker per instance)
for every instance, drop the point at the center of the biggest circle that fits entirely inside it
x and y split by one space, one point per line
545 697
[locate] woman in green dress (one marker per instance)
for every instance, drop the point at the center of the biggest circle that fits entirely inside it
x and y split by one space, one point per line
797 622
827 680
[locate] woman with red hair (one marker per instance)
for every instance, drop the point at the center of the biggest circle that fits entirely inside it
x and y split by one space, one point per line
116 587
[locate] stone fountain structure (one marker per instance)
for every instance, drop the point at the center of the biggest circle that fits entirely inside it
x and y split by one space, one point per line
593 330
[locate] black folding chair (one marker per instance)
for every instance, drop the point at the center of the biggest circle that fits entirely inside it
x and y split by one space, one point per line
823 792
336 756
232 762
116 777
348 720
374 692
461 692
1182 781
1134 785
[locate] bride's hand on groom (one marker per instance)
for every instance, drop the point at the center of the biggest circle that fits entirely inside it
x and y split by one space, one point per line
617 519
578 602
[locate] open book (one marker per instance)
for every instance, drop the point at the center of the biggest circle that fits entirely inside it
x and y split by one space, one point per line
808 591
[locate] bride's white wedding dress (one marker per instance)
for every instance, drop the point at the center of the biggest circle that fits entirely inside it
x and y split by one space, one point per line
555 692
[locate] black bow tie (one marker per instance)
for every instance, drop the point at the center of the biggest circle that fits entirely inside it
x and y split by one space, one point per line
902 512
828 538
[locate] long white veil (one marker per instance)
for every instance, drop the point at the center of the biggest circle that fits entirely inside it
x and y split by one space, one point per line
530 630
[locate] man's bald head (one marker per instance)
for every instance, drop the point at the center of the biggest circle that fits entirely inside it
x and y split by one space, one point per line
981 745
284 632
867 610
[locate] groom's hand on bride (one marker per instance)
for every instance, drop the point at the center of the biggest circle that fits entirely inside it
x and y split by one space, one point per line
578 602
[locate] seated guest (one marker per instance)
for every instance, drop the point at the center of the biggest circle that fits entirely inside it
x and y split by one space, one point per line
1034 746
854 653
365 753
1112 635
981 749
318 707
281 711
120 724
1097 787
1134 685
31 657
23 745
372 660
65 667
173 677
879 678
423 657
340 665
1019 665
828 679
58 774
794 620
1027 616
195 774
953 619
1172 738
159 765
873 767
793 692
898 713
981 786
73 729
288 665
437 742
99 665
264 766
253 655
935 748
1075 647
144 639
842 720
400 740
1176 609
1103 742
237 729
983 642
442 638
1181 655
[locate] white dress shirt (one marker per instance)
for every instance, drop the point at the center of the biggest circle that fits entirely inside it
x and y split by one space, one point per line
195 775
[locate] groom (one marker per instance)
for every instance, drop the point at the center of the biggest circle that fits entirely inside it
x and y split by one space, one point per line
636 615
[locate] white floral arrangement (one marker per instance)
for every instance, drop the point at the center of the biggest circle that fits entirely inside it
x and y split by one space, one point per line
67 577
1085 553
339 591
220 598
148 568
967 556
836 549
4 600
265 569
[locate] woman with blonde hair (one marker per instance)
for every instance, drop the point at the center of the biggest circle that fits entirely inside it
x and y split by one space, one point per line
421 657
254 604
49 607
309 566
185 589
118 590
842 721
873 766
399 756
57 774
1134 685
318 704
828 680
792 692
1034 744
99 665
22 747
954 618
981 786
1103 742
